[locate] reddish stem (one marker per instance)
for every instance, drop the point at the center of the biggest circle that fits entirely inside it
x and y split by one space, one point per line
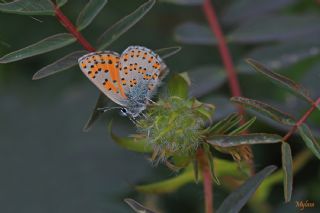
207 181
302 120
223 49
72 29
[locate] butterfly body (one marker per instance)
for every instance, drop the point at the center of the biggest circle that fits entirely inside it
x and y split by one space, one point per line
129 79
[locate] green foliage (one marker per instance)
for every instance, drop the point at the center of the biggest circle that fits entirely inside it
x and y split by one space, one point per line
89 12
133 144
309 139
60 65
123 25
287 170
237 199
266 110
169 132
281 80
236 140
222 168
184 2
28 7
194 33
46 45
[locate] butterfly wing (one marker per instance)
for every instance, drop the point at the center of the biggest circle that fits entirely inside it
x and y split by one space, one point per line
141 71
102 68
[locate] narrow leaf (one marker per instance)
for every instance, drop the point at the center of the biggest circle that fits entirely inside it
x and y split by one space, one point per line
237 199
266 110
281 55
89 12
287 169
309 139
137 207
243 127
206 79
219 128
196 170
185 2
102 101
123 25
178 86
46 45
211 163
132 144
276 28
194 33
237 140
60 3
278 79
240 11
28 7
168 51
62 64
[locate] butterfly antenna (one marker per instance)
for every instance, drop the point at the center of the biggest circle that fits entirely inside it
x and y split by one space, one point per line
105 109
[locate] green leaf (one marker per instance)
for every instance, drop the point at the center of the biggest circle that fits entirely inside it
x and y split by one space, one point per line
243 127
281 55
62 64
220 127
137 207
287 169
168 51
263 193
170 185
131 143
276 28
178 85
185 2
309 139
266 110
211 163
224 106
280 80
237 140
196 170
102 101
206 79
123 25
240 11
237 199
194 33
223 168
28 7
60 3
89 12
46 45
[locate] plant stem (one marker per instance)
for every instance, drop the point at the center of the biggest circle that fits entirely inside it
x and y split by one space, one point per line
207 181
223 49
212 18
72 29
302 120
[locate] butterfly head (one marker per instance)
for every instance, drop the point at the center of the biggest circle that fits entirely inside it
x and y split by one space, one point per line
132 112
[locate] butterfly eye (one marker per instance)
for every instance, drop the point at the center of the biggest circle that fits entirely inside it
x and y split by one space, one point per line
124 111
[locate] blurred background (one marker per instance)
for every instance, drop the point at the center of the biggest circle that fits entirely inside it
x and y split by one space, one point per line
48 164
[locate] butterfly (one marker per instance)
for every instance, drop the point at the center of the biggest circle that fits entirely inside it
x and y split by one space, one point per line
129 79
